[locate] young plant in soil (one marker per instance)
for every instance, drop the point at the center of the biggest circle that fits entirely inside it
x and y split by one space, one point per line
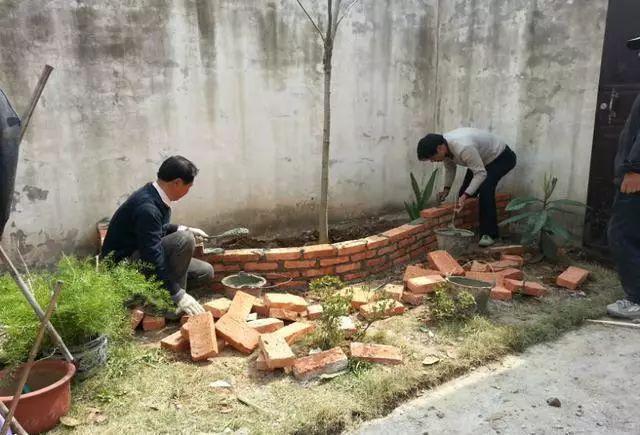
334 305
447 307
422 196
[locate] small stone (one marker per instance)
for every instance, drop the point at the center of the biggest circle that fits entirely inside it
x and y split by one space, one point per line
554 401
430 360
440 414
220 384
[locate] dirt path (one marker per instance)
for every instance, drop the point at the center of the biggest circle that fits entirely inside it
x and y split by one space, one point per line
594 372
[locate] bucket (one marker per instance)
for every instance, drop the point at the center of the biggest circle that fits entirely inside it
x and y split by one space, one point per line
88 357
480 290
455 241
50 398
247 282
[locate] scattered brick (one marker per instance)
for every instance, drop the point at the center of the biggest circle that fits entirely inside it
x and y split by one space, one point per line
241 305
136 318
384 308
445 263
377 353
295 331
237 333
477 266
347 326
525 287
488 277
184 330
251 317
153 323
318 251
393 291
516 274
415 271
424 284
175 342
508 250
375 242
284 314
351 247
515 258
265 326
285 300
279 254
202 337
261 362
314 312
276 351
218 307
327 362
412 299
572 277
299 264
260 308
500 293
359 296
504 264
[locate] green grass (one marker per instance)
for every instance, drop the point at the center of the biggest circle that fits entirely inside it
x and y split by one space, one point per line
146 390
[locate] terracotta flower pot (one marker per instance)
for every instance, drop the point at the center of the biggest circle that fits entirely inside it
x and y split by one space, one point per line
50 396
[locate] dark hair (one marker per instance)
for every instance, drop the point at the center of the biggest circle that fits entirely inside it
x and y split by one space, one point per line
428 145
177 167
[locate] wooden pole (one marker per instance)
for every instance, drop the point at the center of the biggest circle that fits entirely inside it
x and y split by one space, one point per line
17 427
35 97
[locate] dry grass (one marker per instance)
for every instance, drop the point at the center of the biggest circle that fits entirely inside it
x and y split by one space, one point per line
147 391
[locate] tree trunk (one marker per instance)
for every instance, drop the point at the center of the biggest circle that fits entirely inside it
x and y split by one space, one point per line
323 213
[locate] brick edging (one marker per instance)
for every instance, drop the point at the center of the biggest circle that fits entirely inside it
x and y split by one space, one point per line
351 260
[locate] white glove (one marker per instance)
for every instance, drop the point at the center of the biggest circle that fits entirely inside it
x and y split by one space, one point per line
189 305
197 232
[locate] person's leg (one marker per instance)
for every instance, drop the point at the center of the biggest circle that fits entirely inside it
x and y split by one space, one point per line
465 183
624 241
497 169
178 250
199 273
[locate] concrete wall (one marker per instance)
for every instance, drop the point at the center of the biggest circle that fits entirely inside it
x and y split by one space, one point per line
234 85
237 87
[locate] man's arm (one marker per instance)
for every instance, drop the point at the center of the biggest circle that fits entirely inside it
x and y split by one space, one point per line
149 230
472 160
632 162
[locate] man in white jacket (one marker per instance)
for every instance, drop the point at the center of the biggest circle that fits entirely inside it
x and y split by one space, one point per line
487 159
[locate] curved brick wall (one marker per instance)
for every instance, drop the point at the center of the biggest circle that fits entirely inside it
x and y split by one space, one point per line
352 260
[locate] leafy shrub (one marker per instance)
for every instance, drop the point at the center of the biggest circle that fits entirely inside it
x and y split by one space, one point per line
92 302
334 306
326 283
421 195
446 306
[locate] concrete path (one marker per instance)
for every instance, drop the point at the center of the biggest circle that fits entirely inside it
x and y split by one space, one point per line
594 372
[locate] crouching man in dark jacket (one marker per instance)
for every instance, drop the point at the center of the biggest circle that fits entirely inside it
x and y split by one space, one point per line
140 230
624 227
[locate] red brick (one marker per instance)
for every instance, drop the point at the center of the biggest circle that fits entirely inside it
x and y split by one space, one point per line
351 247
283 275
477 266
376 262
375 242
498 266
511 274
314 312
514 258
327 362
361 256
382 308
402 260
175 342
382 267
184 319
348 267
284 314
279 254
299 264
488 277
218 268
525 287
265 326
509 250
355 276
445 263
136 318
237 333
406 242
413 271
435 212
359 295
292 285
412 298
334 261
260 308
218 307
217 287
377 353
318 251
241 255
295 331
572 277
310 273
286 301
202 337
276 351
393 291
388 249
152 323
501 294
241 305
503 197
397 254
398 233
258 267
424 284
184 330
417 254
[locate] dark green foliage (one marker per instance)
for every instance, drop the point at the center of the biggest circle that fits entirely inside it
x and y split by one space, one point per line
421 195
446 306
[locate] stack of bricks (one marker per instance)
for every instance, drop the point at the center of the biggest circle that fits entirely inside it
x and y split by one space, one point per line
294 268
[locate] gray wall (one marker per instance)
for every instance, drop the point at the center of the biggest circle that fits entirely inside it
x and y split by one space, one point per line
237 87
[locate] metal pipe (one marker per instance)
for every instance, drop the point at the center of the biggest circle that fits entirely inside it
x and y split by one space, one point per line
35 97
34 304
24 374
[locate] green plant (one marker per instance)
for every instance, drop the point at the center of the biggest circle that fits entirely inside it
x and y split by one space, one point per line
92 302
446 306
421 196
334 305
319 285
541 225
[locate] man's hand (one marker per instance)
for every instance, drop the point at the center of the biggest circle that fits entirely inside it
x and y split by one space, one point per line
460 204
443 195
197 232
630 183
188 305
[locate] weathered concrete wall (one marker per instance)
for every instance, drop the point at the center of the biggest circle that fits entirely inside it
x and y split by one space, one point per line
527 70
234 85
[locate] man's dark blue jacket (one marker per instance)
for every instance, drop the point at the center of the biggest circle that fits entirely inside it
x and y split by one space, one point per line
139 225
628 156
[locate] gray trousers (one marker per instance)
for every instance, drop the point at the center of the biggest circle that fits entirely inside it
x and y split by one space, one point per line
183 269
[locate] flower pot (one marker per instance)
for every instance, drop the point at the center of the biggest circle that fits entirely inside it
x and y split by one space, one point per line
50 396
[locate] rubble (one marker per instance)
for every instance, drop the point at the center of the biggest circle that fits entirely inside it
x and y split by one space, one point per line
321 363
276 351
286 301
218 307
445 263
202 337
265 326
